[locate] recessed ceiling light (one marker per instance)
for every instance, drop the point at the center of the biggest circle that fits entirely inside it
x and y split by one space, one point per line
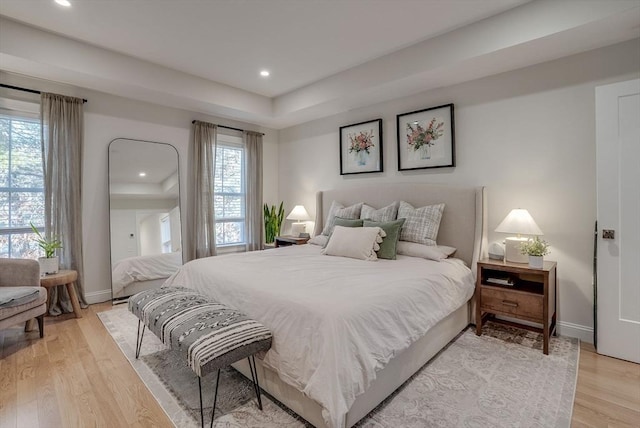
64 3
143 174
264 73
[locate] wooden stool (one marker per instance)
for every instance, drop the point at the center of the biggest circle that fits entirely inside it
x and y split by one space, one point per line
66 278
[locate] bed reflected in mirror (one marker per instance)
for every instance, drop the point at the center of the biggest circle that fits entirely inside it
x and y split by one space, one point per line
145 225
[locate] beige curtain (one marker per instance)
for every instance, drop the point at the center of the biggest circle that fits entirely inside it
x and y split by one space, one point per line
201 227
253 219
62 141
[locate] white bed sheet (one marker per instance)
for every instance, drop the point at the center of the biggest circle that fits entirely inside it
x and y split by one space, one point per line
335 321
144 268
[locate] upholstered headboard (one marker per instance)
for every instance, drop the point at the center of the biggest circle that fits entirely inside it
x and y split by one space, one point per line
463 224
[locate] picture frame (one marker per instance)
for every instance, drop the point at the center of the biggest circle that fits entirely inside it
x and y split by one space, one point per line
426 138
361 148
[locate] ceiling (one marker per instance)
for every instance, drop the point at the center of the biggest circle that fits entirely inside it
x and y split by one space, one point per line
129 158
324 56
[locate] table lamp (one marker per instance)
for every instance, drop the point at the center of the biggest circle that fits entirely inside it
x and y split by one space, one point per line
298 214
520 222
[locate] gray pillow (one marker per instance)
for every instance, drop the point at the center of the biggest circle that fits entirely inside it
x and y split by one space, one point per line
389 244
339 210
422 223
388 213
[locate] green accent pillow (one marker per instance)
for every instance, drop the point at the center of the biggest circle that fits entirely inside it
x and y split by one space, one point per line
345 222
390 243
348 222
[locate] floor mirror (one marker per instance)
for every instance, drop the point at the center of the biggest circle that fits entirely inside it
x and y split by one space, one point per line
144 208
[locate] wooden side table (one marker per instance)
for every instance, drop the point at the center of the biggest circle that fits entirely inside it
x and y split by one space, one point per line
66 278
285 241
515 290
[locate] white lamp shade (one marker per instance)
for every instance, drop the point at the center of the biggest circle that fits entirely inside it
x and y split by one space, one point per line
519 221
299 213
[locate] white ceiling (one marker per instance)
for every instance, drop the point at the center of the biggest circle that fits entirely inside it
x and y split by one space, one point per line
128 158
325 56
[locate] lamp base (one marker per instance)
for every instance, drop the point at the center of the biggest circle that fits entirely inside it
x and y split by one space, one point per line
512 250
298 228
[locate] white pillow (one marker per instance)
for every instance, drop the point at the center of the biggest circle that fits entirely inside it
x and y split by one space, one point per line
430 252
339 210
320 240
421 224
388 213
355 242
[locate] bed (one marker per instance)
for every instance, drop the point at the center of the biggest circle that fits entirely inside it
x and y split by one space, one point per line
134 274
348 332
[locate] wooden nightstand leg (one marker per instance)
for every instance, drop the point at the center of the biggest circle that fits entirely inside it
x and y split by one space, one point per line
545 333
74 299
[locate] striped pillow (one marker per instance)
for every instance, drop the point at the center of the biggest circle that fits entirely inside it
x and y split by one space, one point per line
339 210
388 213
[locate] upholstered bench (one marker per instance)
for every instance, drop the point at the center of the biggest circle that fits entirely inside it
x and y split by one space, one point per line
209 334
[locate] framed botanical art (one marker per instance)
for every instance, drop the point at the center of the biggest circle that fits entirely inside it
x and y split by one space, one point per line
426 138
361 147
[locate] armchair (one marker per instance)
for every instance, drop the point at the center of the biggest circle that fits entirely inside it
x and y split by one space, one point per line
21 297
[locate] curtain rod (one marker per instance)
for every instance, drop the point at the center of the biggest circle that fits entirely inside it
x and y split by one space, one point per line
230 127
31 91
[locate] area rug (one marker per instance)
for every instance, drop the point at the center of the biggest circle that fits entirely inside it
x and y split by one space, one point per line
499 379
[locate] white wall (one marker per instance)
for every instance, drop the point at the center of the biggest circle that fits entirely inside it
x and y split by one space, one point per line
527 135
124 240
149 233
108 117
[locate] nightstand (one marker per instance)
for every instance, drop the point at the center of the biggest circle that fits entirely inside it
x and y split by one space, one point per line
517 291
285 241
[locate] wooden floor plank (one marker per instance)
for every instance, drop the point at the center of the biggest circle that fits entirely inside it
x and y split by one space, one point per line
77 376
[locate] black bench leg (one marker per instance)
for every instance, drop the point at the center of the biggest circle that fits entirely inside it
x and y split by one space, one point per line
215 399
254 378
201 410
139 338
41 325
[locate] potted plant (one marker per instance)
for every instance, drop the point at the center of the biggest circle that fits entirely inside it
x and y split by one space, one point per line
272 222
536 249
49 263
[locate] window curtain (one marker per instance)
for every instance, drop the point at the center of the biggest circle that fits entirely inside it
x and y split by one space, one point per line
62 141
253 216
201 227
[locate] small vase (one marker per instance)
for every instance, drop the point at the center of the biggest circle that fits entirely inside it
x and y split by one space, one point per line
48 265
536 262
362 157
425 152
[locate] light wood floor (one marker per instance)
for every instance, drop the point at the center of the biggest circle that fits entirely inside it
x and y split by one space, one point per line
77 377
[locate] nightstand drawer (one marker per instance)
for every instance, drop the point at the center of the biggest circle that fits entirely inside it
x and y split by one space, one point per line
528 306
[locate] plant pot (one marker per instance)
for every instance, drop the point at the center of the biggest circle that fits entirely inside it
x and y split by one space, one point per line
48 265
536 262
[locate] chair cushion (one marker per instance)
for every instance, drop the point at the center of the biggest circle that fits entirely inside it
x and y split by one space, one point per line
9 311
15 296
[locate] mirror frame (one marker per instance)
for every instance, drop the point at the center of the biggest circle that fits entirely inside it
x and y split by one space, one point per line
118 300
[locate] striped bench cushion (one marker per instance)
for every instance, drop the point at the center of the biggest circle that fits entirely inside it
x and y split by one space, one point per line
209 333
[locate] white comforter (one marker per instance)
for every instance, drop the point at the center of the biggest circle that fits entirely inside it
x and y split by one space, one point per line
144 268
335 321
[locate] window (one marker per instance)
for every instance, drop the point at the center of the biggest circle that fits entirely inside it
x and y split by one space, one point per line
229 191
165 234
21 186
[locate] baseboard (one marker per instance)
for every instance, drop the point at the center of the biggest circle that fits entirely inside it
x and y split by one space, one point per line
585 334
98 296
